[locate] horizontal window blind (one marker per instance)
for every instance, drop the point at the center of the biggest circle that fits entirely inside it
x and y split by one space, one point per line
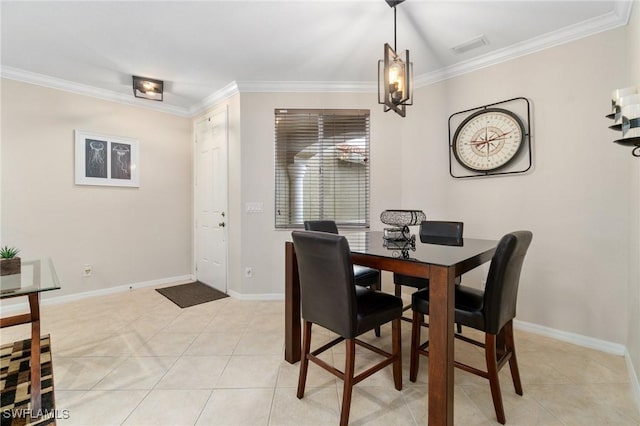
321 167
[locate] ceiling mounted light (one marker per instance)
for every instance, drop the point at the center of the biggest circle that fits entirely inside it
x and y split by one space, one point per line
147 88
395 76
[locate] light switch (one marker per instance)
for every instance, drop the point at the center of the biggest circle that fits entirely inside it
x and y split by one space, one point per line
255 207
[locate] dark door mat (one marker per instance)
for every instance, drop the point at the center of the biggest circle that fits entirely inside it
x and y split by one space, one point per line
16 386
191 294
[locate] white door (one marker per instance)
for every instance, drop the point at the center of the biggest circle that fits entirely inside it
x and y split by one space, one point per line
211 200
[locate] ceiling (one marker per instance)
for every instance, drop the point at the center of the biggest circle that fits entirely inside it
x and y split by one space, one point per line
201 48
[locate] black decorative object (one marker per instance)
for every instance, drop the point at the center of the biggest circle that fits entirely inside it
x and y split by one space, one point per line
490 140
625 113
400 220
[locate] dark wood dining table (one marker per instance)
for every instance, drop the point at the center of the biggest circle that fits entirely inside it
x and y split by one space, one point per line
441 262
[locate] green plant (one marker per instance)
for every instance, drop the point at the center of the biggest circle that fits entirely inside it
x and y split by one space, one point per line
7 252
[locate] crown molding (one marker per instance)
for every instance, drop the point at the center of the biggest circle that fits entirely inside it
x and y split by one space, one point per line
83 89
614 19
308 86
216 97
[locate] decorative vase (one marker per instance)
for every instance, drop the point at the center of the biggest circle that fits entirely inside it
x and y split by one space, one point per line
10 266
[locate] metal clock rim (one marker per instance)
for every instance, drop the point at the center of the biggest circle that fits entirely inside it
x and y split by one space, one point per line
527 134
473 116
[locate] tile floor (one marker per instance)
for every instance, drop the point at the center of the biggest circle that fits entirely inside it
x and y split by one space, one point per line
135 358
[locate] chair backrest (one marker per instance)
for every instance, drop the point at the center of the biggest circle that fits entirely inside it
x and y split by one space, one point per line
321 225
327 289
501 291
441 232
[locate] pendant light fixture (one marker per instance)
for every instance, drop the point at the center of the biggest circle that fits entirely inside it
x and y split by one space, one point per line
395 76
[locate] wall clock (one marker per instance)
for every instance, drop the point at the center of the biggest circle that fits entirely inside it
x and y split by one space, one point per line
490 140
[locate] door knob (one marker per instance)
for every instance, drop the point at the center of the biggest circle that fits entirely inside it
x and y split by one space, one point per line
221 224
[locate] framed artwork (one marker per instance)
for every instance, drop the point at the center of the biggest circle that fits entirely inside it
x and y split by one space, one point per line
106 160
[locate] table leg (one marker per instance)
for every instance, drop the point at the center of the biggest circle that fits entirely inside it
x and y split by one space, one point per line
441 332
292 349
34 305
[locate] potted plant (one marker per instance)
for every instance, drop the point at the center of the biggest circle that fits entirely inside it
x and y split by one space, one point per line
9 261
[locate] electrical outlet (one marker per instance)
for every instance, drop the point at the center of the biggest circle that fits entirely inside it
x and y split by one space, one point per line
87 270
248 272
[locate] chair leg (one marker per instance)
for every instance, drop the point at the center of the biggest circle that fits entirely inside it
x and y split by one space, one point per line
304 362
398 290
414 362
492 371
349 370
396 336
459 328
513 362
378 287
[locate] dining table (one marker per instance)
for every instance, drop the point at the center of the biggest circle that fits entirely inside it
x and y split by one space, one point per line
441 261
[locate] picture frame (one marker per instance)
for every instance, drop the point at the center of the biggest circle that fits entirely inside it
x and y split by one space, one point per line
106 160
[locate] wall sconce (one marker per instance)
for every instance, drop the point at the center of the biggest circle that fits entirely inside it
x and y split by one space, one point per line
625 113
147 88
395 75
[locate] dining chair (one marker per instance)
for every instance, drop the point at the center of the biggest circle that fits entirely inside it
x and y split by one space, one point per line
431 232
490 311
329 298
364 276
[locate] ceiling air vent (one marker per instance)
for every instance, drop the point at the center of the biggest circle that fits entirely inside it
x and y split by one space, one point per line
468 45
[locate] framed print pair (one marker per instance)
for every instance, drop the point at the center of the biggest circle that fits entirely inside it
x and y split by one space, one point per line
106 160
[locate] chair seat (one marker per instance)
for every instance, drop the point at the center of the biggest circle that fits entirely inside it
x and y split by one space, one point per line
468 305
365 276
375 308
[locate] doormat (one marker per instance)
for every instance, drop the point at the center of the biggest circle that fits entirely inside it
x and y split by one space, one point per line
185 295
15 380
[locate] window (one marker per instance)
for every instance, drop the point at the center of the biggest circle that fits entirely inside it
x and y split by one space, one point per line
321 167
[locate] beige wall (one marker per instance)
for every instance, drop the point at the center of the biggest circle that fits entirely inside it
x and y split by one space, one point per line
262 245
633 340
575 199
128 235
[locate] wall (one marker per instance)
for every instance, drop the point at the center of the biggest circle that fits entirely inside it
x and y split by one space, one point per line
262 245
633 340
128 235
574 200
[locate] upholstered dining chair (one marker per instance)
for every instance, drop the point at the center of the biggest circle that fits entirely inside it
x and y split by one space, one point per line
432 232
364 276
490 311
329 298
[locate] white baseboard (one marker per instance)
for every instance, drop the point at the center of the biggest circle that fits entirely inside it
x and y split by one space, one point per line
576 339
633 379
263 296
18 307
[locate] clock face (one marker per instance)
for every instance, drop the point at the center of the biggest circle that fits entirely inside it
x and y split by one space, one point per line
488 139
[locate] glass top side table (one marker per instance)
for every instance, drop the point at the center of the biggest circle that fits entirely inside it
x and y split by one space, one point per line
34 277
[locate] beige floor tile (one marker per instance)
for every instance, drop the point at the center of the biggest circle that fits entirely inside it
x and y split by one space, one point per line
98 408
81 373
319 406
194 372
250 371
260 344
166 344
239 407
169 408
222 363
214 344
378 405
137 373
